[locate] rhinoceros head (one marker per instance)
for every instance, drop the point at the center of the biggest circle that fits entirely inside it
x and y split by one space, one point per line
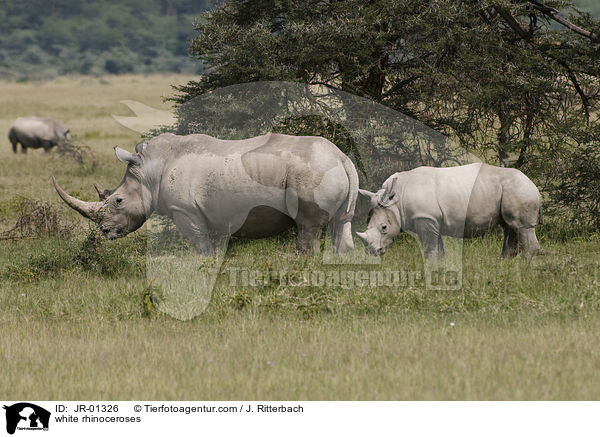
119 211
383 226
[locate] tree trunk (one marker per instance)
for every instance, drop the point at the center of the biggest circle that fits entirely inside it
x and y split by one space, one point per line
503 138
527 132
375 81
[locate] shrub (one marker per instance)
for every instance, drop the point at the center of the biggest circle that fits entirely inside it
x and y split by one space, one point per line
576 194
36 219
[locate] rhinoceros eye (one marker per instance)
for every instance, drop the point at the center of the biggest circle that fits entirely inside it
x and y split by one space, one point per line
392 196
384 228
119 200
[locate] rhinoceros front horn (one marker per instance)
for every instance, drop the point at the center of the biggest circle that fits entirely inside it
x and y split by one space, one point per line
90 210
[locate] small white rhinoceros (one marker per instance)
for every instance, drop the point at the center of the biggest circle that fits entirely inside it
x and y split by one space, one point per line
37 132
464 201
213 188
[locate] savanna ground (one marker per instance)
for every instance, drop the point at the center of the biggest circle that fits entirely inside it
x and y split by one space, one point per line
77 319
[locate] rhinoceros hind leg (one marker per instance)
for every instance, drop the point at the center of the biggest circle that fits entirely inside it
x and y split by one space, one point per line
341 237
528 241
428 231
440 246
510 245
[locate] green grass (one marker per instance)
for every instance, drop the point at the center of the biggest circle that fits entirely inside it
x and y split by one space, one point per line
521 330
80 318
256 356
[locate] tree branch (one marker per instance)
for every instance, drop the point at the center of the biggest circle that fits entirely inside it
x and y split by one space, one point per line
584 98
554 15
513 23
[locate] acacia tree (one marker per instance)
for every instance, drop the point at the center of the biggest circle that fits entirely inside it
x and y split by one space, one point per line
497 75
511 81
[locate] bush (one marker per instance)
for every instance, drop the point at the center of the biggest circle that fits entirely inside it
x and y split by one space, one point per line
36 219
119 64
578 191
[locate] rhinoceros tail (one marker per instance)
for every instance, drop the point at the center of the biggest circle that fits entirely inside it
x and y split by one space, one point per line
352 186
540 216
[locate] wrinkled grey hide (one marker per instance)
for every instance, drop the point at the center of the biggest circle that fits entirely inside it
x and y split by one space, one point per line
463 201
212 188
37 132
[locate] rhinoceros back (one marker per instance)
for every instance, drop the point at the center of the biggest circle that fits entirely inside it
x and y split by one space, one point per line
227 180
41 128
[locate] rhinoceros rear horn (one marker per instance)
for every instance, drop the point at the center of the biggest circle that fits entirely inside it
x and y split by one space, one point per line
102 193
89 210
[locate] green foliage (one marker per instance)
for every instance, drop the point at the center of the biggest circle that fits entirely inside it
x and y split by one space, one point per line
505 80
576 190
168 240
241 300
41 39
590 6
151 298
35 219
70 255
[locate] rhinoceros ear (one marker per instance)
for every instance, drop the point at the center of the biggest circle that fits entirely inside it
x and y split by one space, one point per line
367 194
140 148
388 196
126 157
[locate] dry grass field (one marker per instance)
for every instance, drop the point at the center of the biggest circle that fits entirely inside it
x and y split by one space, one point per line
76 321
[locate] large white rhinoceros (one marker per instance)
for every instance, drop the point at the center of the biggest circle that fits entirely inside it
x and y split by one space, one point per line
36 132
463 201
213 188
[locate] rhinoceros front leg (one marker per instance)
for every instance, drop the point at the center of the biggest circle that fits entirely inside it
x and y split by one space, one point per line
47 145
309 238
197 231
428 231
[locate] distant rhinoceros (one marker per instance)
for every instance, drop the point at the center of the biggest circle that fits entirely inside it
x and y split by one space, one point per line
36 132
212 188
463 201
